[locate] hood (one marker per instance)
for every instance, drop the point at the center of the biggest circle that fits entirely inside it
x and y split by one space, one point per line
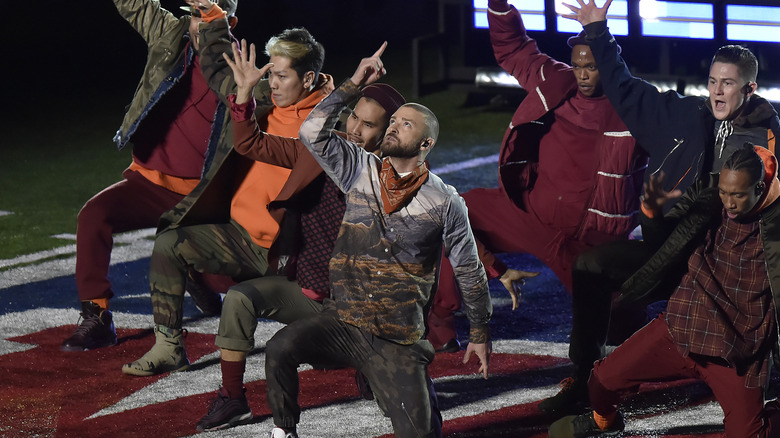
770 179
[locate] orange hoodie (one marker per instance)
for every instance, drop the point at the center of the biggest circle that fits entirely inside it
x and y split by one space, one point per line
263 182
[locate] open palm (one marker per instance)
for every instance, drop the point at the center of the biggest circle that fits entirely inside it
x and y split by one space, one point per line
245 72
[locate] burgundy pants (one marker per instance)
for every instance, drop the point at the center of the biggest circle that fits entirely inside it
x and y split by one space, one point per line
131 204
502 227
441 316
650 355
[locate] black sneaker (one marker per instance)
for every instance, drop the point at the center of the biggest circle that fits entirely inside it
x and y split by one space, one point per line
207 300
225 412
95 330
580 426
571 399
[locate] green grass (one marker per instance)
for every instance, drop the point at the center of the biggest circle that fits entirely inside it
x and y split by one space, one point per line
49 170
51 167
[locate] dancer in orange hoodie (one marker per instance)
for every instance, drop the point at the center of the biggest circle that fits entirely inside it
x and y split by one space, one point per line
228 223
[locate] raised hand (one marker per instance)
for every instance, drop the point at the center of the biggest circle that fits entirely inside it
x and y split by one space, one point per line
655 196
245 73
587 12
370 69
513 280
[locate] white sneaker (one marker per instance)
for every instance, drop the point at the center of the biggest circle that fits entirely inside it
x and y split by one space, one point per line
278 432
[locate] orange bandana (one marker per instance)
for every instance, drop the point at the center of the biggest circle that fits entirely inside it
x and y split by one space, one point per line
396 190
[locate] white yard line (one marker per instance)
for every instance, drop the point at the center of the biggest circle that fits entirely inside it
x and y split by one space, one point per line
138 245
29 268
468 164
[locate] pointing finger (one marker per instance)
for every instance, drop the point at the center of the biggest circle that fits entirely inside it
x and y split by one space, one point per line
381 50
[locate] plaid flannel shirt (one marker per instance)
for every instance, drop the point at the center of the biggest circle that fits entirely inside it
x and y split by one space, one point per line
723 306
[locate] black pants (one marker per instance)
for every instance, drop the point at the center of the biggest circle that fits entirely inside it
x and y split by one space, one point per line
597 274
398 374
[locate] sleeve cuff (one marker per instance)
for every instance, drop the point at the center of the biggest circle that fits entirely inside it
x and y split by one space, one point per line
496 270
240 112
479 334
215 13
595 29
499 5
646 211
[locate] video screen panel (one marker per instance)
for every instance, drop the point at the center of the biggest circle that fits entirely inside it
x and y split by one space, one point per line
532 11
677 19
659 18
617 17
753 23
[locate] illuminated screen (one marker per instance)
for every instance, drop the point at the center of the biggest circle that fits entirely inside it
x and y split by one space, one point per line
533 13
676 19
531 10
617 17
753 23
660 18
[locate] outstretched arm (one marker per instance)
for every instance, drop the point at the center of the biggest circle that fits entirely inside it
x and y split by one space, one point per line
370 69
339 158
516 52
149 19
248 139
660 121
215 41
461 251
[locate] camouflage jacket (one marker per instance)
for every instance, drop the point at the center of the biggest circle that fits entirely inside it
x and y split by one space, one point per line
384 266
169 55
209 201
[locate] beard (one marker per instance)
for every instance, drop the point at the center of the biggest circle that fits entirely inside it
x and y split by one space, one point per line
391 147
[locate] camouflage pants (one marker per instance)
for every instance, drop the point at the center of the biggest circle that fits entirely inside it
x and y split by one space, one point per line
224 249
398 374
273 297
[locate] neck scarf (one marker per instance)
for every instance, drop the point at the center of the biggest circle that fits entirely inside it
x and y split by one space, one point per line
397 190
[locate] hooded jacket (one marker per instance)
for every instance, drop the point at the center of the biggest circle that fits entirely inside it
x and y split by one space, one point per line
679 132
677 234
209 201
168 57
613 205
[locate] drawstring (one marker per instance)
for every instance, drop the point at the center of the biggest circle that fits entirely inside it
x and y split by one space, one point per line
724 130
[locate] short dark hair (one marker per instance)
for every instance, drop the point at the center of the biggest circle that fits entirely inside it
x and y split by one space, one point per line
431 122
304 52
740 56
747 160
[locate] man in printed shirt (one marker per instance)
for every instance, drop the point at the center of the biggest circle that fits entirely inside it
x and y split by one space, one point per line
720 323
383 268
285 298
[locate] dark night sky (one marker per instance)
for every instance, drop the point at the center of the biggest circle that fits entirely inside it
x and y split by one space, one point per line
58 50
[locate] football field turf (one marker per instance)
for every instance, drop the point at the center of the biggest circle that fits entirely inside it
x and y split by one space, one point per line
47 392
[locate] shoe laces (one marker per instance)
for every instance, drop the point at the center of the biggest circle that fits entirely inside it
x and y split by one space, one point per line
217 402
88 323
